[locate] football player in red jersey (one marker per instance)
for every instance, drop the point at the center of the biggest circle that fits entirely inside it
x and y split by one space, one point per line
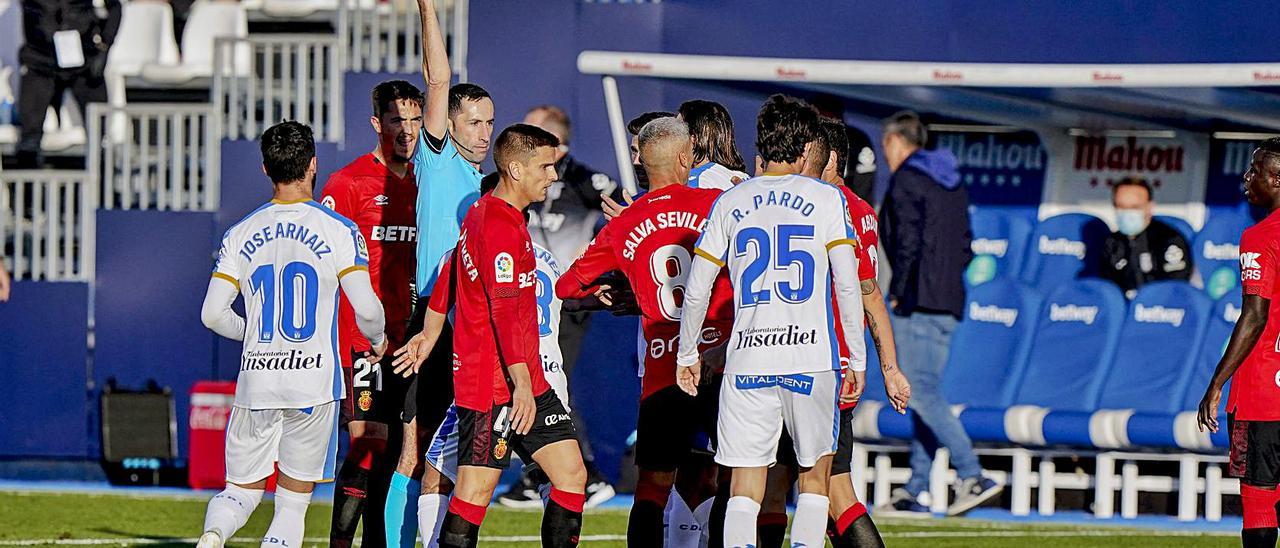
377 191
651 242
1253 407
504 402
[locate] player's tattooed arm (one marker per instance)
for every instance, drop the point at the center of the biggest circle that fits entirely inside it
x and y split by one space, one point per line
895 383
1253 320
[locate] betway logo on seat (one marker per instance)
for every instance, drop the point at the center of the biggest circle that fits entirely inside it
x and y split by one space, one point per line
1061 246
984 246
993 314
1158 314
1072 313
1221 252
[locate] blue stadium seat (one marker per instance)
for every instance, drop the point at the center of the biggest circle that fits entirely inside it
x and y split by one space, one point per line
1155 358
1063 248
1179 224
1072 350
999 245
1216 250
989 348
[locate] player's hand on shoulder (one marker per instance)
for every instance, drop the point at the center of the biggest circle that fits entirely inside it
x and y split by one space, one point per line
1207 416
523 409
688 377
897 388
854 383
409 357
612 208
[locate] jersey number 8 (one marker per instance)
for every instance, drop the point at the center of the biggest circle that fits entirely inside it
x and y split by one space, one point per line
669 266
299 295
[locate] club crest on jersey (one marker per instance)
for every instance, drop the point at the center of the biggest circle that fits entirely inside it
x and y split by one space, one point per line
366 400
328 202
500 449
504 268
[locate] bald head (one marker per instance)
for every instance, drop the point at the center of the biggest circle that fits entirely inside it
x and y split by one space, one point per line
666 151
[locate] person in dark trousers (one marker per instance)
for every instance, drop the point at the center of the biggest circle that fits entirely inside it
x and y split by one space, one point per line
925 219
1142 249
66 48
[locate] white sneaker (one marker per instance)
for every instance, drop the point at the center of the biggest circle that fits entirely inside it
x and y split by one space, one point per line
210 539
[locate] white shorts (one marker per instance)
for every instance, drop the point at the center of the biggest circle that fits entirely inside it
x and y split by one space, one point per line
303 441
754 408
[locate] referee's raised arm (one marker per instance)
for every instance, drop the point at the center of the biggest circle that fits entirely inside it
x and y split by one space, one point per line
436 71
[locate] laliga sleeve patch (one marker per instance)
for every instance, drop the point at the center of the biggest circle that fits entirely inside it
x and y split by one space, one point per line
362 248
328 202
504 268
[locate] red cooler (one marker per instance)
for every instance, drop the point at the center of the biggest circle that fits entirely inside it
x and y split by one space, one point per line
210 409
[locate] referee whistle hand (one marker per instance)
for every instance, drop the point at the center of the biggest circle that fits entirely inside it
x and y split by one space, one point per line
1207 416
687 377
523 409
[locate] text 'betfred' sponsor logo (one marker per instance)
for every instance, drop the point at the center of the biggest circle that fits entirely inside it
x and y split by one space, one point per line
1158 314
394 234
985 246
991 313
1226 251
1072 313
1061 246
790 335
1097 154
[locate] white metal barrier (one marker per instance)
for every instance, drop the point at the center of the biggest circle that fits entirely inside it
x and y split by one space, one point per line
387 37
293 77
154 156
47 224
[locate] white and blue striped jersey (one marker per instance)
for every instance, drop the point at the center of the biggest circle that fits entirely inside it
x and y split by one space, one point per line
287 259
775 234
716 176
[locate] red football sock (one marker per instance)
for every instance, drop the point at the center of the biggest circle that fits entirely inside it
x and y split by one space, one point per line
1259 507
569 501
849 516
473 513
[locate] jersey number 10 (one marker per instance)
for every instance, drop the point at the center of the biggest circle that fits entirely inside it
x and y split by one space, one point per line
299 295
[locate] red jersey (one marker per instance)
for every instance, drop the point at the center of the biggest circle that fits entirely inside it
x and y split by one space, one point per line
495 289
867 227
382 206
651 242
1255 393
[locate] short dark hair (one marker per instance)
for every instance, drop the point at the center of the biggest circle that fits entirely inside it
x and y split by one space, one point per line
287 150
783 127
837 138
387 93
907 124
1270 146
712 130
638 123
464 92
517 143
488 183
1133 181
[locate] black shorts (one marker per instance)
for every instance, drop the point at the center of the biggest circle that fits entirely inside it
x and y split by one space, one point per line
843 461
1255 451
485 438
673 426
431 391
374 393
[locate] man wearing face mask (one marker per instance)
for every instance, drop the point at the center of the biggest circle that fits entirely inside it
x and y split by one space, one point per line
1143 249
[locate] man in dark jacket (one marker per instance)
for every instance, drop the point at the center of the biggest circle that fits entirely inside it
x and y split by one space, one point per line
66 48
925 219
1143 249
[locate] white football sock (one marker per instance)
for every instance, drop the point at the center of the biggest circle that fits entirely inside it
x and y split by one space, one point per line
290 520
703 516
230 510
809 526
740 522
431 511
682 527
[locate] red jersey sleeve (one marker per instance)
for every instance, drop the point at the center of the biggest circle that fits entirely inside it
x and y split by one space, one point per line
1257 264
595 261
500 264
441 301
339 195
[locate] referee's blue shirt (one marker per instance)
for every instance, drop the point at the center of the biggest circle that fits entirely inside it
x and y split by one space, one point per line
447 186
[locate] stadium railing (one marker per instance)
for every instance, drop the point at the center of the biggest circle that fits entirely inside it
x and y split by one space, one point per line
387 36
154 156
47 224
293 76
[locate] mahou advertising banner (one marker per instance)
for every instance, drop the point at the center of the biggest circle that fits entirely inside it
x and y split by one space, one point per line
1085 167
999 168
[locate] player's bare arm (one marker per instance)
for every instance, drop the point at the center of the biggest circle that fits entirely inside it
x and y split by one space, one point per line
523 408
1253 319
409 358
895 383
436 71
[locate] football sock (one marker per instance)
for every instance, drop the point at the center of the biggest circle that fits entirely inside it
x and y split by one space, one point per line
644 526
809 528
401 512
854 528
431 510
562 519
715 522
682 528
1259 516
286 530
374 533
702 514
771 529
740 522
230 510
352 490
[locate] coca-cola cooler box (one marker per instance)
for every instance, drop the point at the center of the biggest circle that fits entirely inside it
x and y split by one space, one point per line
210 409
